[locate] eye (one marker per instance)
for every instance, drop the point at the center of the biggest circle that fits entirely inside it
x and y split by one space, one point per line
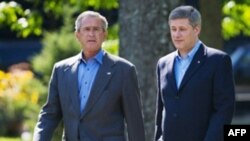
86 29
173 29
97 29
182 29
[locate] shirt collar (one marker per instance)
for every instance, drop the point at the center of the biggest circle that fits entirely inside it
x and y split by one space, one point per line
98 57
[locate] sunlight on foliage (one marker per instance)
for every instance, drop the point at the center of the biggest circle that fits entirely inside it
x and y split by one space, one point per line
236 19
13 87
26 22
231 27
20 20
107 4
9 139
111 46
9 12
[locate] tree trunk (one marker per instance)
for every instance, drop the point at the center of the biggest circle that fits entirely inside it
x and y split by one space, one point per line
144 37
211 12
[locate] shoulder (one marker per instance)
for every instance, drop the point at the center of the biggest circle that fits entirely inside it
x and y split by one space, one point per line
119 60
218 57
67 61
167 58
216 53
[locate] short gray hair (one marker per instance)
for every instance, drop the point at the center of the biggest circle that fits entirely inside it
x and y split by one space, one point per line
78 22
189 12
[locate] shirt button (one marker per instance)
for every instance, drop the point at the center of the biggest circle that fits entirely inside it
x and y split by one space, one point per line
85 82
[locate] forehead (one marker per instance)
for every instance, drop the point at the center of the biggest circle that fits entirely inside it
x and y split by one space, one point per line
179 22
91 21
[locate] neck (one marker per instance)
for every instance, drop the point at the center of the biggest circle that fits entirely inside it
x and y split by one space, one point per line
183 53
88 55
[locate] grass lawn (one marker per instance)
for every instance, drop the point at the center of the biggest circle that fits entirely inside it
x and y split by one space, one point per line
9 139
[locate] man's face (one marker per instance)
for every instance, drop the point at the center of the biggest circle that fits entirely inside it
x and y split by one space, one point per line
91 34
183 35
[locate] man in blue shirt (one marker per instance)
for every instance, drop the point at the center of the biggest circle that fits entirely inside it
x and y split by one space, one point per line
195 84
94 93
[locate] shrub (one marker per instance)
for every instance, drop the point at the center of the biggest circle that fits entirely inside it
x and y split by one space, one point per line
20 93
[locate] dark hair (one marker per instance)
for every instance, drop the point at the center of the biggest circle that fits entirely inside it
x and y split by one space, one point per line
189 12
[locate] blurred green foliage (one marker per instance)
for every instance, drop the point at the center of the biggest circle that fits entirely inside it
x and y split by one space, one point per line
236 19
27 22
9 139
23 21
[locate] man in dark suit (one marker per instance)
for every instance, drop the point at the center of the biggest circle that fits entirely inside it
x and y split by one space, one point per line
94 93
196 94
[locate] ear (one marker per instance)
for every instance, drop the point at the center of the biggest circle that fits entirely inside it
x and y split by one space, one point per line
105 34
77 35
197 29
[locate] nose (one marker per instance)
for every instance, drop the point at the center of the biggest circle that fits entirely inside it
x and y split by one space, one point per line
177 34
91 33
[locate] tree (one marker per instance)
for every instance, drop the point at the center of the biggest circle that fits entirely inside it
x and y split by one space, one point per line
29 17
210 35
144 37
23 21
236 19
211 23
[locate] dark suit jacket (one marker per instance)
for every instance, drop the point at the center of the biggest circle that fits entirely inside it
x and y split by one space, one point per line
204 102
114 99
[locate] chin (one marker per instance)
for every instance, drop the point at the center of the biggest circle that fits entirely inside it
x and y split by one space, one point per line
178 47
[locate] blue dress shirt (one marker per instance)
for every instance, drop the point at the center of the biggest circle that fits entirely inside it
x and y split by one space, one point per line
87 71
181 63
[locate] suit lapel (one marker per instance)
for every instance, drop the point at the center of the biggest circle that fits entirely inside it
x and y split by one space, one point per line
102 78
170 72
196 63
72 77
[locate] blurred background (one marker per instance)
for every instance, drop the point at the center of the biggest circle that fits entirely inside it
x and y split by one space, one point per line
34 34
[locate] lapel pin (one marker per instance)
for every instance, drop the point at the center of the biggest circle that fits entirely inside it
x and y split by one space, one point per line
108 73
198 61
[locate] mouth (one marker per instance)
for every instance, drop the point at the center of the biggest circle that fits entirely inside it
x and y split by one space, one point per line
178 41
91 41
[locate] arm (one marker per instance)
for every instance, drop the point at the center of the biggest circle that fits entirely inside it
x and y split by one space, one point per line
50 114
132 106
159 109
223 99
